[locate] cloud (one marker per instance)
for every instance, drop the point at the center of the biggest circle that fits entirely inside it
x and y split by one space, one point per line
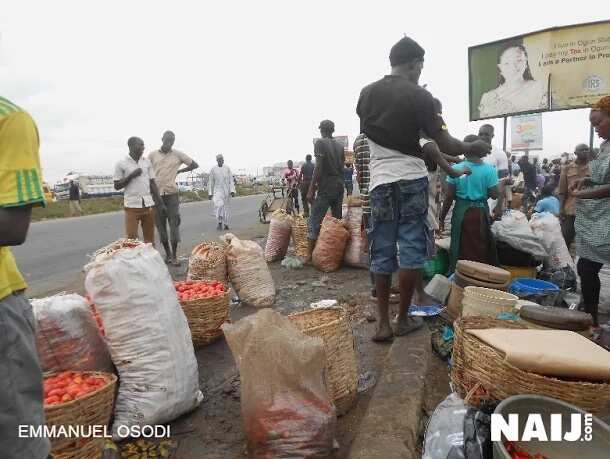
250 80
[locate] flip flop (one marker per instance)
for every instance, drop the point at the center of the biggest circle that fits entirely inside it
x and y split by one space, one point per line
428 310
386 339
415 323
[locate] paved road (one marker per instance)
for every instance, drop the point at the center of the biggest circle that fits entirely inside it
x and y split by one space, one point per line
56 251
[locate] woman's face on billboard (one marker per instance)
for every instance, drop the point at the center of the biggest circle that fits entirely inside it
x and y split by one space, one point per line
513 63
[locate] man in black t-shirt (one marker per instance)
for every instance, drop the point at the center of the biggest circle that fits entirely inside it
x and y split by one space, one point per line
394 112
327 181
305 177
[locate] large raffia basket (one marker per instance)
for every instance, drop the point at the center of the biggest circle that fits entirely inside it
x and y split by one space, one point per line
93 409
299 236
481 301
480 372
332 325
208 262
205 316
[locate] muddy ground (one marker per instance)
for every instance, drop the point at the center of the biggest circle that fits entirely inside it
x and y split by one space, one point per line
214 430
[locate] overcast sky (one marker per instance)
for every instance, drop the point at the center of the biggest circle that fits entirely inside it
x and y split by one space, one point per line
249 79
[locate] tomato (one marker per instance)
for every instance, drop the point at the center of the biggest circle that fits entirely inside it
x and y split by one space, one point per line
51 400
67 398
73 389
59 392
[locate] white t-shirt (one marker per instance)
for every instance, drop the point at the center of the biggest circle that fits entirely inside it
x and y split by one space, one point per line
499 160
390 166
137 192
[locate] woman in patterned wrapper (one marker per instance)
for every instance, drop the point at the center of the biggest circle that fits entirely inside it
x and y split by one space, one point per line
592 223
517 90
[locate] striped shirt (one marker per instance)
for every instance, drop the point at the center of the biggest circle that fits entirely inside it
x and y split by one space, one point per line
20 179
362 157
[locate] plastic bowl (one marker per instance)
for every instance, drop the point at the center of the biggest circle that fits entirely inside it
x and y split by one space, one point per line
526 285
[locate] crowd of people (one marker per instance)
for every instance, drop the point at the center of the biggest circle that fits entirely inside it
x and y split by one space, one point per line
402 159
402 153
150 193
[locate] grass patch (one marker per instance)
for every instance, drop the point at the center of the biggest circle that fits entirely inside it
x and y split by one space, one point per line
61 209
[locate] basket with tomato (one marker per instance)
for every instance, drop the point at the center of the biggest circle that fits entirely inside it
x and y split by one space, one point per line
73 398
206 307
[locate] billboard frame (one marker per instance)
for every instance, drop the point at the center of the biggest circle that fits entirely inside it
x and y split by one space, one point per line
515 37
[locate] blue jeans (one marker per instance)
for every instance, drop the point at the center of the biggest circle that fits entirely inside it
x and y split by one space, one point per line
398 226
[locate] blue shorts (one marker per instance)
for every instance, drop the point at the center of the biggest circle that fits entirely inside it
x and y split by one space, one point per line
398 226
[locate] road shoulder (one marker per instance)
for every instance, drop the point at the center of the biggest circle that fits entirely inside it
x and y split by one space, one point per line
390 428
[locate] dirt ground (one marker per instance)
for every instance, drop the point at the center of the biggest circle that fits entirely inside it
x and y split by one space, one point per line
214 430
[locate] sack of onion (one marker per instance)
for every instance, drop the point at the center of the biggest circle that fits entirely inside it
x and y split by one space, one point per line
208 262
278 238
356 254
249 273
330 246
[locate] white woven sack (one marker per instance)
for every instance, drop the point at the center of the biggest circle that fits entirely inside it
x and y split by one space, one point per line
148 337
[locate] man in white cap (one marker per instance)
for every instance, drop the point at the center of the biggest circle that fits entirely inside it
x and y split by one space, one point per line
221 188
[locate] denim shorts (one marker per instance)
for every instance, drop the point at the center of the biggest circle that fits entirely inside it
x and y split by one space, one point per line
398 226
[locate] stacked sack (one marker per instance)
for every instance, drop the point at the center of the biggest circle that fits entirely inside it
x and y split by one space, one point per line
208 262
330 246
249 273
356 251
278 238
147 335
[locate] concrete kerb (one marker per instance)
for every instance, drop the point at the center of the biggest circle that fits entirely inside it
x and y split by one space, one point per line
390 427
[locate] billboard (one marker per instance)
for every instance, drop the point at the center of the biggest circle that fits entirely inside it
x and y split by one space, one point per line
526 132
555 69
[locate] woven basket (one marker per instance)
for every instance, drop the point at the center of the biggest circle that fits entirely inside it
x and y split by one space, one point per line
205 316
332 325
89 449
208 262
93 409
299 236
454 304
481 301
481 373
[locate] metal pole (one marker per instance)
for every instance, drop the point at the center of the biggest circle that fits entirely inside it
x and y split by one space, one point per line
504 137
591 130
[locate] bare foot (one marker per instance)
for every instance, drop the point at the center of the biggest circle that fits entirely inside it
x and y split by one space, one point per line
384 333
423 299
405 325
